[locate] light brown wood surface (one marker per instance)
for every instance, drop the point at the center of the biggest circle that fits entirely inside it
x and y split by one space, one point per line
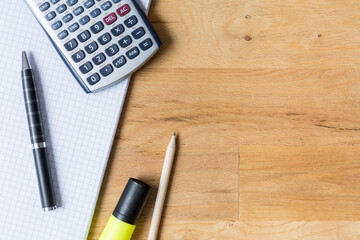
265 96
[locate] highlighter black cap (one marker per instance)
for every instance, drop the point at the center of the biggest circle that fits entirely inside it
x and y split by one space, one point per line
132 201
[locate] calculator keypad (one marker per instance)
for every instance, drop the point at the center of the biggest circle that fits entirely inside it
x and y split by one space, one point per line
98 46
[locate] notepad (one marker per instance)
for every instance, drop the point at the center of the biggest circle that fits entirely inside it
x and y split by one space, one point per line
80 129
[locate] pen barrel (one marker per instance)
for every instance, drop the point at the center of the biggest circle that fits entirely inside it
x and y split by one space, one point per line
32 107
43 173
37 137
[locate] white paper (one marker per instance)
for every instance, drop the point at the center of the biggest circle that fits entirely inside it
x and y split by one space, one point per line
79 128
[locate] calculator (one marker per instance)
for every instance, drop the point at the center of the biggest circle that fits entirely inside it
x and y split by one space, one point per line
100 41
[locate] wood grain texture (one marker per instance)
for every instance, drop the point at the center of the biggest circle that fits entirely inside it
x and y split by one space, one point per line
265 98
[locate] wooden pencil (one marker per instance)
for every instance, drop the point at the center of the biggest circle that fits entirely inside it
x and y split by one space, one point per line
163 185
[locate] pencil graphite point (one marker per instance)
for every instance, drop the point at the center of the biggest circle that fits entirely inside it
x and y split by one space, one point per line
174 133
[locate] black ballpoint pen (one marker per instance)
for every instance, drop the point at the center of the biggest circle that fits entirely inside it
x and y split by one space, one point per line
37 137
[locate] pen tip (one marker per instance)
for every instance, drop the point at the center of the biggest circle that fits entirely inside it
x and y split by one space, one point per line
25 61
174 134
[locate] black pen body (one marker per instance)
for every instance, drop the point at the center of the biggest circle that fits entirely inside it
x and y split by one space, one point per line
38 142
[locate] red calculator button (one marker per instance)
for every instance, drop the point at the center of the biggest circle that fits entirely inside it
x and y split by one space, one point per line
109 19
123 10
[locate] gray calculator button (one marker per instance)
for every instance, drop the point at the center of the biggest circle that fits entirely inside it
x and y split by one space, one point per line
50 16
45 6
132 53
119 62
89 3
70 45
74 27
84 36
67 18
106 6
61 8
116 31
71 2
96 12
79 10
85 68
131 21
93 79
84 20
56 25
54 1
105 71
77 57
138 33
104 39
63 34
97 27
125 41
116 1
111 51
146 44
92 47
99 59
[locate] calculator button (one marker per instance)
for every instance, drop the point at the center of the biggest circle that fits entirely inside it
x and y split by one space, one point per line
119 29
97 27
74 27
84 36
92 47
61 8
84 20
104 39
105 71
85 68
106 5
126 41
89 3
77 57
71 2
96 12
70 45
138 33
67 18
111 51
132 53
109 19
63 34
93 79
119 62
54 1
131 21
123 10
146 44
50 16
56 25
116 1
45 6
99 59
79 10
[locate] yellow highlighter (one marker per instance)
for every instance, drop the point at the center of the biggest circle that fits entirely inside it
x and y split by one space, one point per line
122 222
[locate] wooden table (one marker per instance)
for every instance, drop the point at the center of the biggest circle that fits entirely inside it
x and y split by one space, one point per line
265 95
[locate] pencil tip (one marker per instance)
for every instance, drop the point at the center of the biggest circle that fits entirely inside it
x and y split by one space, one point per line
174 134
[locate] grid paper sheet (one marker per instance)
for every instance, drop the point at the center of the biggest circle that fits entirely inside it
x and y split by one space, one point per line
79 128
